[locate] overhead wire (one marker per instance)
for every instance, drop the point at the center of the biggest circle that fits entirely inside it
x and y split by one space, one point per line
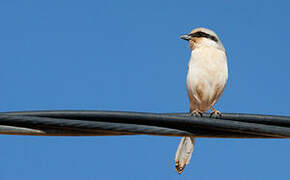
108 123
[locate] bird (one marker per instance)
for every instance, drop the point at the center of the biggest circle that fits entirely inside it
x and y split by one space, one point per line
207 77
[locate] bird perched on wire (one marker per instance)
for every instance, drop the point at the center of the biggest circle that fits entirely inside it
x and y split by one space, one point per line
206 79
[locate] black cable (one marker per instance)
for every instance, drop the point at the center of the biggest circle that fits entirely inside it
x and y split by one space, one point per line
283 121
86 126
128 123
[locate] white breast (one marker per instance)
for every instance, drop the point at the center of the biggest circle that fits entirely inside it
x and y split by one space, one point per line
207 77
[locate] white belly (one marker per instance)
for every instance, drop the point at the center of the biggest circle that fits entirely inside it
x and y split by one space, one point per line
206 78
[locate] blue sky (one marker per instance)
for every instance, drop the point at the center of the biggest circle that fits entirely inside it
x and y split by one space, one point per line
127 55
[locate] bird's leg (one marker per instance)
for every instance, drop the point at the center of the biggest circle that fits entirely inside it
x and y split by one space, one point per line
196 113
215 113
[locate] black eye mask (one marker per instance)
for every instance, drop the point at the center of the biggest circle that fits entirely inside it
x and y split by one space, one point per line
203 34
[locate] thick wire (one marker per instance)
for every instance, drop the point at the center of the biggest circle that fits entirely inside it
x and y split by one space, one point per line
103 123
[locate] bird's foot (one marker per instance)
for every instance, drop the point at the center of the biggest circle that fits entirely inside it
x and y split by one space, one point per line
196 113
215 113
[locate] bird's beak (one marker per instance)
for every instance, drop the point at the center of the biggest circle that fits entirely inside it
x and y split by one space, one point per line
186 37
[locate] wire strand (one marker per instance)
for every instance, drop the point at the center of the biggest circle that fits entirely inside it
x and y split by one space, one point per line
107 123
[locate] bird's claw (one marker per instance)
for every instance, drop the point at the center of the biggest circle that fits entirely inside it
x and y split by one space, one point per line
196 113
215 113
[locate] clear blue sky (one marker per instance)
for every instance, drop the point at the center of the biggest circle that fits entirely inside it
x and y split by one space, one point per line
127 55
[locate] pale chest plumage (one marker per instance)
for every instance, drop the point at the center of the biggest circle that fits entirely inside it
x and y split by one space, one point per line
207 77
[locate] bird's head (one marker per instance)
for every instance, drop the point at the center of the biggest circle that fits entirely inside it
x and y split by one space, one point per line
202 37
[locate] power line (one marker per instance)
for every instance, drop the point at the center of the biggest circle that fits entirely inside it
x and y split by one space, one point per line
107 123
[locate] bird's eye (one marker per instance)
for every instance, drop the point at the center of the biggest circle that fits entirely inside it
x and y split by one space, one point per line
193 35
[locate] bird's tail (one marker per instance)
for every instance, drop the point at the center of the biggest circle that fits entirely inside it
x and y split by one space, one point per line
184 153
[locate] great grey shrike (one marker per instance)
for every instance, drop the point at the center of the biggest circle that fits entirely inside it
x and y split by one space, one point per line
206 80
